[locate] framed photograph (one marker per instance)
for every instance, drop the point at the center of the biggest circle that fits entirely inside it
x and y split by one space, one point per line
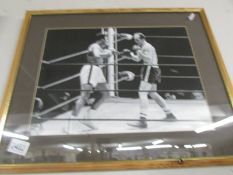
111 89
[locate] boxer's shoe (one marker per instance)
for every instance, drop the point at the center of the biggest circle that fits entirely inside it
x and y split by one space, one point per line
139 124
170 117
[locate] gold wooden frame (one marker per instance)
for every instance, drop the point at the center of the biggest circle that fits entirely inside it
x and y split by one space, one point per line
97 166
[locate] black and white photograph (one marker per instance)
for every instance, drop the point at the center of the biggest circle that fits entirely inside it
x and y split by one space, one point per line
116 89
118 80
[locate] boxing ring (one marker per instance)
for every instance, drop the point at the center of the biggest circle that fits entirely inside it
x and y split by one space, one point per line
191 113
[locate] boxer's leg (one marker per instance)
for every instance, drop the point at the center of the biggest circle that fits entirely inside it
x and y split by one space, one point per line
144 105
158 99
84 97
143 97
161 102
100 95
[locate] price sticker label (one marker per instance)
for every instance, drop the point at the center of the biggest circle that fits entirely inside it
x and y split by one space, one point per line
191 16
18 147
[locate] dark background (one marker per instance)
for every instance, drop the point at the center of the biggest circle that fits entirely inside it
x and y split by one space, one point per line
67 41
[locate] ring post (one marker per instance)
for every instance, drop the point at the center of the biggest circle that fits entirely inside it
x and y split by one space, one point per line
111 61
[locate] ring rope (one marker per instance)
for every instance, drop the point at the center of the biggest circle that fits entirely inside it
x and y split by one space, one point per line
114 119
77 97
68 79
129 90
63 80
177 56
185 77
86 51
65 57
127 64
168 37
77 75
56 107
71 55
59 81
119 40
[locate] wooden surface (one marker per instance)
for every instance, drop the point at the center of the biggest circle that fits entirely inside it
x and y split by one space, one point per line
121 165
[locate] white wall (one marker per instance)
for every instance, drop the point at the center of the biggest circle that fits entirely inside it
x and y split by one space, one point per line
219 12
